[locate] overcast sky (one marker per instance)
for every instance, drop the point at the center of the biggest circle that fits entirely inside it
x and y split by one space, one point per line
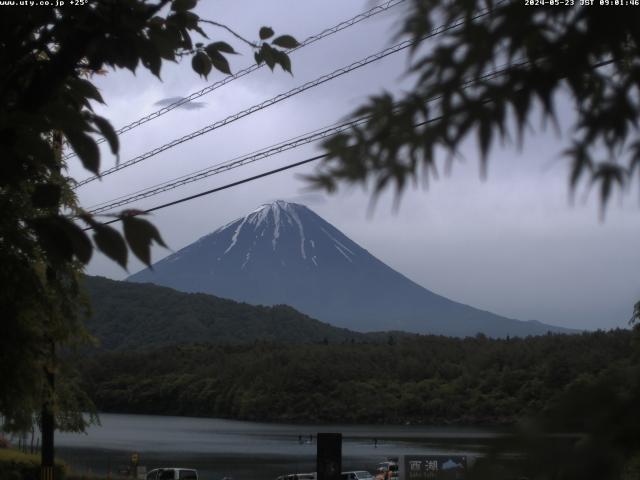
512 244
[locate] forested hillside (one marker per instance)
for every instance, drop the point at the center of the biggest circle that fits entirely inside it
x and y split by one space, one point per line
134 316
426 379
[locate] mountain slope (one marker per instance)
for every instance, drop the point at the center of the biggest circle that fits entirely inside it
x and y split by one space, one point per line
283 253
130 316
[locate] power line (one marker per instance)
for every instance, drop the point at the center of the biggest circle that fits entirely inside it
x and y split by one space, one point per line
241 73
264 153
299 139
283 96
244 180
224 187
311 159
222 167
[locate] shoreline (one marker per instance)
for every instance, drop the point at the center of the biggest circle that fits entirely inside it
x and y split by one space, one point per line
292 422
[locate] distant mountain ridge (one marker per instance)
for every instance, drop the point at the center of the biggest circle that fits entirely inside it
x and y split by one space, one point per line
128 316
283 253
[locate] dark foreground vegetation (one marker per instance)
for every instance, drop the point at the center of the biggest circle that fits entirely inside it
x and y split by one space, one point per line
421 379
22 466
17 465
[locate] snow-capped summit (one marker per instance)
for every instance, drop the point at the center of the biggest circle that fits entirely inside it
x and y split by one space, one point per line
272 219
280 233
283 253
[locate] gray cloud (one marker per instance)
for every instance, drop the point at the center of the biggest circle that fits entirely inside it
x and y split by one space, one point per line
187 106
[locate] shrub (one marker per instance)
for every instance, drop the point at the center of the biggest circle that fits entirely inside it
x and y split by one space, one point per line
15 465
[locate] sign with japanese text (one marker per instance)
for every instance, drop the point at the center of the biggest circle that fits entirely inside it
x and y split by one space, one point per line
434 467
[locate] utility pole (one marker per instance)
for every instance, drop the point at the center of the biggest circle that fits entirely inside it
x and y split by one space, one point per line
329 456
47 421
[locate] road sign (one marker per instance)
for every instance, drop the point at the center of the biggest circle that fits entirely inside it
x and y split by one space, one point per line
433 467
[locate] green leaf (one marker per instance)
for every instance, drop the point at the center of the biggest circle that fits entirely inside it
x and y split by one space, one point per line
183 5
285 41
86 149
258 58
108 132
201 64
282 59
67 117
191 21
200 31
128 57
164 43
46 195
82 247
266 53
85 88
140 234
581 161
152 62
266 32
223 47
219 62
61 238
608 174
110 242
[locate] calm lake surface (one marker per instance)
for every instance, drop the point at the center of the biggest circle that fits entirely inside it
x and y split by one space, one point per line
249 450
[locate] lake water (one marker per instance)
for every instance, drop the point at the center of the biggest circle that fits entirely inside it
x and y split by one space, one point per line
249 450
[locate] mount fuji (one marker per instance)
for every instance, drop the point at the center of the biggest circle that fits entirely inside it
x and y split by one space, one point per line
283 253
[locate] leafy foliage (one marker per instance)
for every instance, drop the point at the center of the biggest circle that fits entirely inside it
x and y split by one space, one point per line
599 412
636 313
590 54
47 59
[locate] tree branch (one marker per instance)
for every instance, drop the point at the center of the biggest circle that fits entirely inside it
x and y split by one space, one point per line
237 35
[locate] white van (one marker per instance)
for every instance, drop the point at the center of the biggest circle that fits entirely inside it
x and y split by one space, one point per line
173 474
357 475
298 476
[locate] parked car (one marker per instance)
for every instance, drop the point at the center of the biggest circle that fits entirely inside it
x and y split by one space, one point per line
357 475
173 474
298 476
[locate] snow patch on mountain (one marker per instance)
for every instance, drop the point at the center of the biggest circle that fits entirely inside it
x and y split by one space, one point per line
276 228
234 239
296 219
344 250
248 256
344 254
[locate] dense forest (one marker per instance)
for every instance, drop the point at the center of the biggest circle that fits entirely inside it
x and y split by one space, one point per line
417 379
133 316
